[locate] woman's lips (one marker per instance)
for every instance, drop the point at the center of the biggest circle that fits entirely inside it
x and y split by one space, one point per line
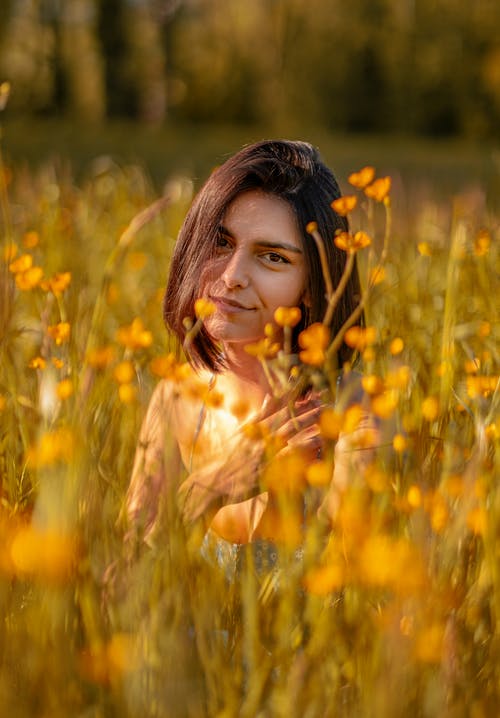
229 306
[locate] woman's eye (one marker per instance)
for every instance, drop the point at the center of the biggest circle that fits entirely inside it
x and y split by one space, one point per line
276 258
223 242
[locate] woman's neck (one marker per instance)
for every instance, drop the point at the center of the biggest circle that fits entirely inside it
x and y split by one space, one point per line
245 378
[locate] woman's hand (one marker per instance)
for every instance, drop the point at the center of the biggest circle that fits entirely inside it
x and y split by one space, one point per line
236 476
295 427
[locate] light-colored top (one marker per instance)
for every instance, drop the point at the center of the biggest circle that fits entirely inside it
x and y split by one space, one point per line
192 428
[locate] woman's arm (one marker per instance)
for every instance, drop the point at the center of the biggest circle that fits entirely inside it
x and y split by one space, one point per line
354 453
156 448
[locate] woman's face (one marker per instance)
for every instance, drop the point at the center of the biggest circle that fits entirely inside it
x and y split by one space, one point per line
259 266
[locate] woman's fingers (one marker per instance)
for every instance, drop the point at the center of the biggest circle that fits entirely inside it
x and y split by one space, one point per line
286 421
294 425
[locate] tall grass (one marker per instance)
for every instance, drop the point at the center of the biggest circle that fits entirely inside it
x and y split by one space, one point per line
393 611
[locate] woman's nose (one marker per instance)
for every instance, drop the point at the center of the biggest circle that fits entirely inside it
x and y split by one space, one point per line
235 272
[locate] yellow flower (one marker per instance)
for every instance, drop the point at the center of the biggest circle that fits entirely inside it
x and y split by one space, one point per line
492 431
163 366
29 279
314 341
424 248
384 405
58 363
134 336
127 393
482 243
369 355
124 372
414 496
398 378
58 283
322 580
319 473
396 346
472 366
286 472
59 332
439 513
379 189
352 417
122 653
287 316
31 239
21 264
399 443
314 356
64 389
37 363
376 479
101 357
477 520
352 243
481 385
45 555
484 329
52 447
105 663
264 349
430 408
392 562
330 423
316 334
204 308
359 338
362 178
344 205
372 384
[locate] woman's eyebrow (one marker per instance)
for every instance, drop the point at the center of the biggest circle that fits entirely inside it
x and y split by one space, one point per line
266 243
280 245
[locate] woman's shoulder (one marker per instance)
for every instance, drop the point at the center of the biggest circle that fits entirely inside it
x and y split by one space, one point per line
179 386
178 399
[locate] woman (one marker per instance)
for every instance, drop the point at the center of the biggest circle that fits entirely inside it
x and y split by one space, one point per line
245 249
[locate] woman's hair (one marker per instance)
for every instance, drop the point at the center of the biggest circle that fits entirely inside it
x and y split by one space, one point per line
292 171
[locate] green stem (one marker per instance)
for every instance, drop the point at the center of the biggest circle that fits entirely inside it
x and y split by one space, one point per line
324 262
335 297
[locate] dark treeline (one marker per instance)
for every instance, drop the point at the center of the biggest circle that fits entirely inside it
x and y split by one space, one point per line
415 66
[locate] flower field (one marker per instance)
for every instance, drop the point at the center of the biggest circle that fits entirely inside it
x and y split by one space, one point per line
393 610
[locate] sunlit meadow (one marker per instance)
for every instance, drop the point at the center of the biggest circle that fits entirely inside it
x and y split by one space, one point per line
390 611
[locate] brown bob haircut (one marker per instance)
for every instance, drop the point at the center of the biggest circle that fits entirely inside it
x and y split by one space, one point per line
292 171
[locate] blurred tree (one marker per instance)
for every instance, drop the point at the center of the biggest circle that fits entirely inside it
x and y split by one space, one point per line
112 34
80 56
424 66
50 54
145 61
25 55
